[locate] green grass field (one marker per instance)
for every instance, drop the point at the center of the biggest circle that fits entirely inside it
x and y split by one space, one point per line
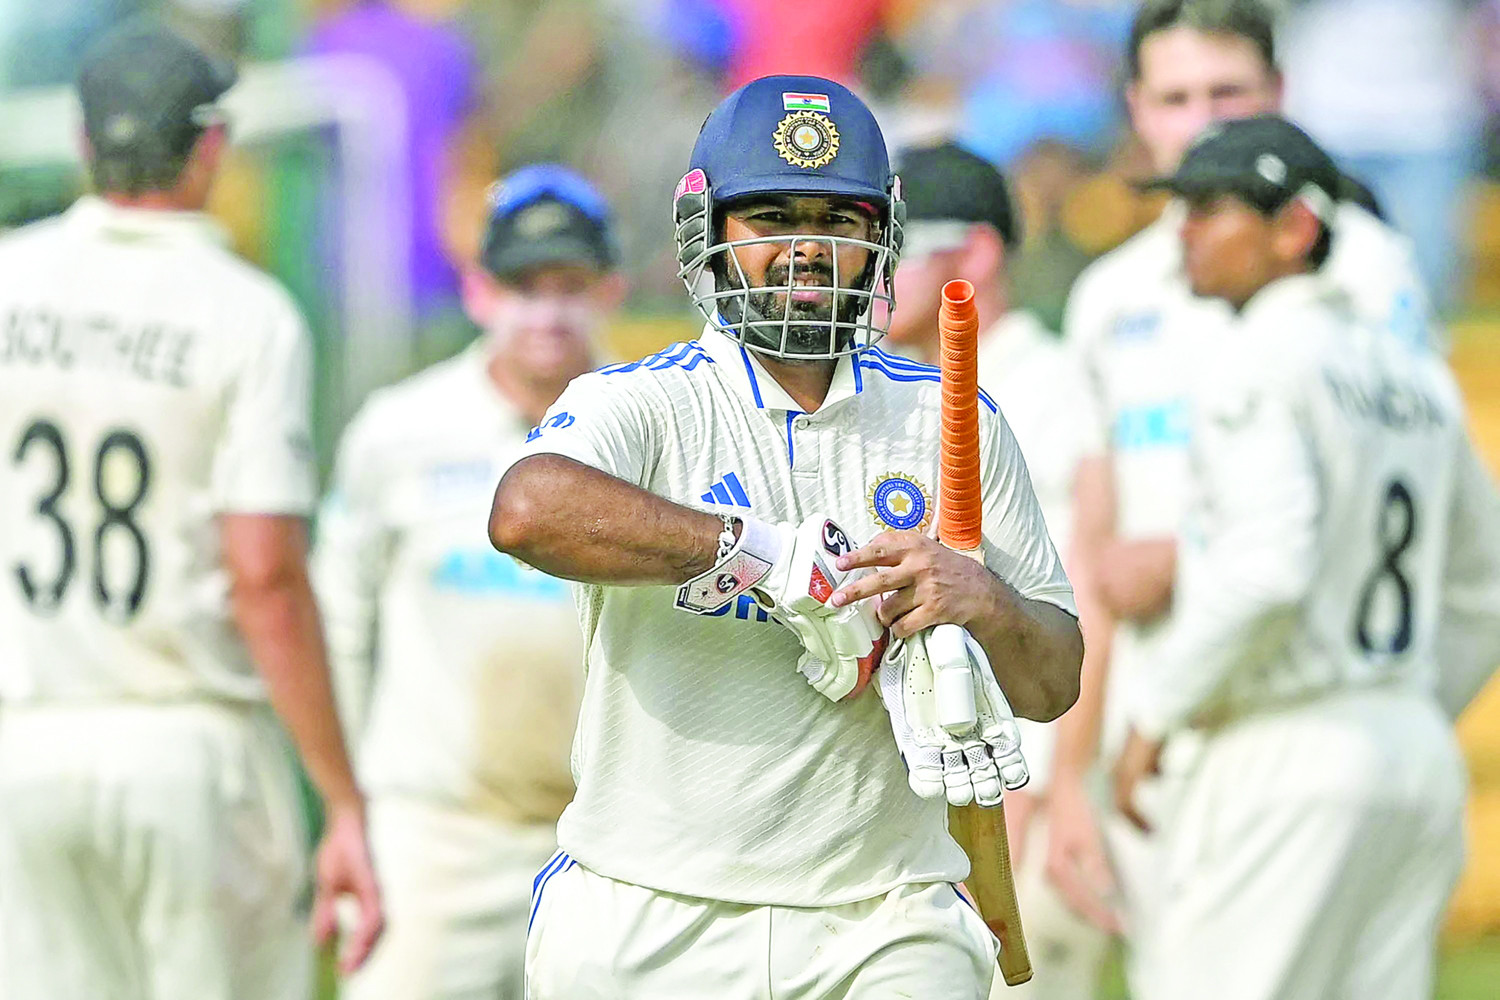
1470 970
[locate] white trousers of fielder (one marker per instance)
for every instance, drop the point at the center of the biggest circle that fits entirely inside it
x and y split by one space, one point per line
1313 854
151 852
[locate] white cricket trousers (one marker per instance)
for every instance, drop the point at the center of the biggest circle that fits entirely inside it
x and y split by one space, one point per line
1313 855
457 889
150 852
592 938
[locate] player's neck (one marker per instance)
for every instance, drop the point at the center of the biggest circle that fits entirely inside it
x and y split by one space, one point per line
807 382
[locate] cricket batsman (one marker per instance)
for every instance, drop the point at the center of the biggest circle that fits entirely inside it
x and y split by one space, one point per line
459 667
155 607
1342 547
744 821
1138 331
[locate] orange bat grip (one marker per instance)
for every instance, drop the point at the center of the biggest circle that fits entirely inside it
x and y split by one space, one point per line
960 501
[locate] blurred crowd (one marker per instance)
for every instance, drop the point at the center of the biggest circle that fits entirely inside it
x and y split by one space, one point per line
1404 92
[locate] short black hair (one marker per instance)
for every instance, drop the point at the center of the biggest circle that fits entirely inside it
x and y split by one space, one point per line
136 173
1252 20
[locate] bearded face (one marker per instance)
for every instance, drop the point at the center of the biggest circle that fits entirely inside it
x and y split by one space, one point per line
798 283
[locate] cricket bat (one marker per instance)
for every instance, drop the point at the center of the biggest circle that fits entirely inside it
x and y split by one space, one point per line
980 832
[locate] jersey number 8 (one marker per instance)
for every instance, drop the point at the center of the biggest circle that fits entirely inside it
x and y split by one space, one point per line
1394 534
118 515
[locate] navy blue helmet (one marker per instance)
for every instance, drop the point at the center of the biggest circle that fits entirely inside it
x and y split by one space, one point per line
790 136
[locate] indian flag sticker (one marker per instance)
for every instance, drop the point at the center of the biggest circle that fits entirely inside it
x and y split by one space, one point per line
804 102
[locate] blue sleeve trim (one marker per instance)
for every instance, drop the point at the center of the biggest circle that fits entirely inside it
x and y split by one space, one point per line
900 369
904 364
900 376
686 355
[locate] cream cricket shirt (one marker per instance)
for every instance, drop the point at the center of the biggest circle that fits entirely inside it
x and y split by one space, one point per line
459 669
1139 333
1326 474
706 765
149 381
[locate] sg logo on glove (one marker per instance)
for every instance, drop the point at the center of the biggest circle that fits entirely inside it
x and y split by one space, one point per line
835 542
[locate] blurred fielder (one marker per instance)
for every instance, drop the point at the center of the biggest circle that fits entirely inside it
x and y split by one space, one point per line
1338 513
154 398
739 826
459 668
1138 331
961 223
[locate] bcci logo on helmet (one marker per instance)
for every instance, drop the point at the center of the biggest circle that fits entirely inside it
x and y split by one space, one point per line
806 139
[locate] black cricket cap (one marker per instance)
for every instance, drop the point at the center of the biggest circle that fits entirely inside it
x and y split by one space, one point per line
1265 160
148 92
948 183
546 214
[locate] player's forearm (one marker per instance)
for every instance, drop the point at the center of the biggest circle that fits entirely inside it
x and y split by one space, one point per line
279 620
575 522
1135 577
1035 649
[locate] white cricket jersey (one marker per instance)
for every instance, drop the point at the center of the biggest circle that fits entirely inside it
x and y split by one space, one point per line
1036 380
706 765
459 669
149 381
1138 331
1326 462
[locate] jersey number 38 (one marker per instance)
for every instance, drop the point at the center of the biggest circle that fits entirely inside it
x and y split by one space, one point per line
117 591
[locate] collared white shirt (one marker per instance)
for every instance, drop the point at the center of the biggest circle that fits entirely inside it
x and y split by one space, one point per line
1140 336
149 381
1329 467
459 669
706 765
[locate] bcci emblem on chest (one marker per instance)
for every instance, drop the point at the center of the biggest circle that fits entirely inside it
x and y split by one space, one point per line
900 502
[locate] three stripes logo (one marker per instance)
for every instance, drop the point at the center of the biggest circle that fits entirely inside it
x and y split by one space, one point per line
727 492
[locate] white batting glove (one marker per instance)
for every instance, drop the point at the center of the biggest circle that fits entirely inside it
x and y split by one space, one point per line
952 723
791 571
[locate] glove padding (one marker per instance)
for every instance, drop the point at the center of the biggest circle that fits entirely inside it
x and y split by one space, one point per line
792 572
952 723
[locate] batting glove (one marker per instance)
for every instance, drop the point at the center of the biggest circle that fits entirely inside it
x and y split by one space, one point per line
791 571
952 723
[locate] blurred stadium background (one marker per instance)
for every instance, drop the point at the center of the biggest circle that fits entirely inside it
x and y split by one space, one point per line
368 130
